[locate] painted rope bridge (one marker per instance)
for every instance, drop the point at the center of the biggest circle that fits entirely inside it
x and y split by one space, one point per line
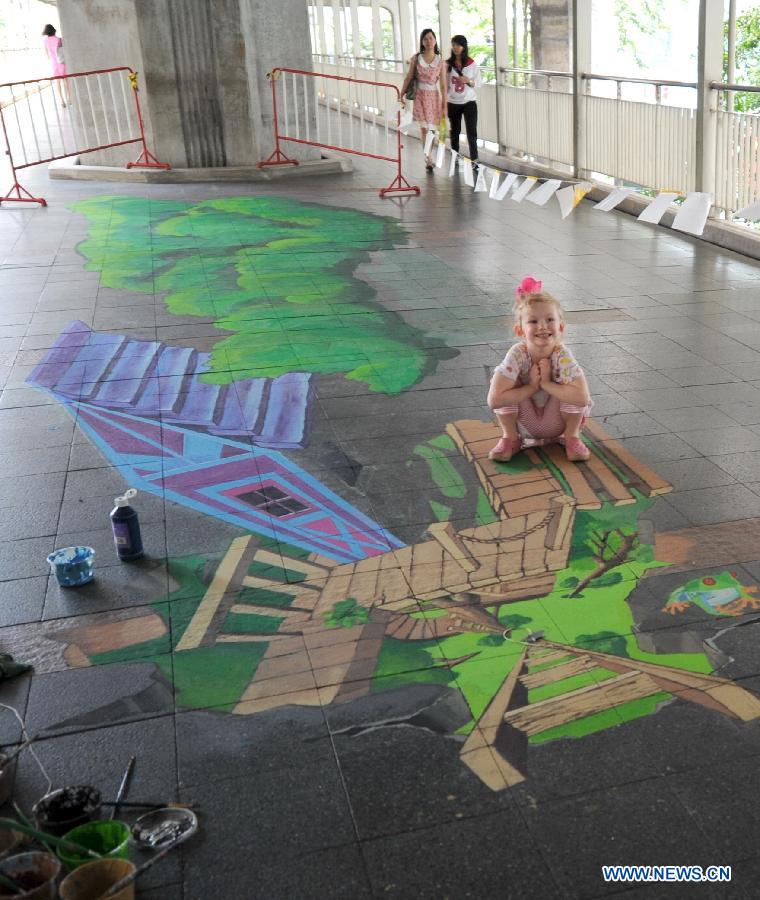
497 750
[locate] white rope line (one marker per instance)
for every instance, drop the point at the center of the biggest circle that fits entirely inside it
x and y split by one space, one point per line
27 739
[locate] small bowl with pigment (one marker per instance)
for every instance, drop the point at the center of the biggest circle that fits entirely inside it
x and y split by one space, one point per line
93 879
35 873
66 808
108 837
72 566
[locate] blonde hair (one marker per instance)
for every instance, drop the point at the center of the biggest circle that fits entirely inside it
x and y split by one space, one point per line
525 298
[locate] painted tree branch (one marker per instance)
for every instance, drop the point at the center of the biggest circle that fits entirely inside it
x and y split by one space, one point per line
627 544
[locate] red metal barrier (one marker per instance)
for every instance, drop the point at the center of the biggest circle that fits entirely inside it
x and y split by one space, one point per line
312 117
31 120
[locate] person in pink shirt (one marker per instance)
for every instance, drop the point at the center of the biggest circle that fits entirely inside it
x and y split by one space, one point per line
54 48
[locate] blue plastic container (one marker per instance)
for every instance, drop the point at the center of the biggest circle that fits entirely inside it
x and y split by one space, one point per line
72 566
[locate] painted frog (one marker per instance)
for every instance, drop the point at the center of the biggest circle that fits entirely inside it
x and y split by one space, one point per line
719 595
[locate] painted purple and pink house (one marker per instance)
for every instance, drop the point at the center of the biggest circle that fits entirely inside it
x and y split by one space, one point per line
208 447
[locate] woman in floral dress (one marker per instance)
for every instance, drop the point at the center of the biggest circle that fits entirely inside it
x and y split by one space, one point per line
427 69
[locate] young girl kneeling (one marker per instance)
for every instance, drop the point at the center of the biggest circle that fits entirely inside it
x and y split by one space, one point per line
539 390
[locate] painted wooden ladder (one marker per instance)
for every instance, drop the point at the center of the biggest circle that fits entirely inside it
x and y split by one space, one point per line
497 748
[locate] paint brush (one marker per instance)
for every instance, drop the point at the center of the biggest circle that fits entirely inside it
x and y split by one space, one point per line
134 804
46 838
120 885
122 787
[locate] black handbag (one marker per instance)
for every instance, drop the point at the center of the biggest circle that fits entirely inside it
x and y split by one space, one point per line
411 91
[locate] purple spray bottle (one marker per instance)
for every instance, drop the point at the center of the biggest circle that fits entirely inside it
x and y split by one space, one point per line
126 528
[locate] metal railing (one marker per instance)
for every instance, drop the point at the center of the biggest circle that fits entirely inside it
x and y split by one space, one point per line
536 107
98 110
657 83
642 132
308 109
362 62
737 150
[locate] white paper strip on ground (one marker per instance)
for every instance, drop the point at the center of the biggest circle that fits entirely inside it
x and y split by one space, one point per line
613 199
467 172
692 215
509 179
542 194
656 209
480 183
521 191
750 213
440 156
429 142
453 163
494 184
569 197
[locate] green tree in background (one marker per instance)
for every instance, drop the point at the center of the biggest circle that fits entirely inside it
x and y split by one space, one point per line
636 21
747 58
474 19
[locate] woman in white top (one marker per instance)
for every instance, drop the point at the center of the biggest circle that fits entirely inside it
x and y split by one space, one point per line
427 68
464 79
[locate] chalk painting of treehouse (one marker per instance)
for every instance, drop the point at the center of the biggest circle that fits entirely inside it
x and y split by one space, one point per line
456 582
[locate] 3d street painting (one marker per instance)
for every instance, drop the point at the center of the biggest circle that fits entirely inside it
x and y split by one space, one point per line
316 604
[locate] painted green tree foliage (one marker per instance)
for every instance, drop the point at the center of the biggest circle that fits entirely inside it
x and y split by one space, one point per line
276 274
747 58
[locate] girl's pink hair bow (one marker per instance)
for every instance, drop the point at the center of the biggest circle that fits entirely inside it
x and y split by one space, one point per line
529 285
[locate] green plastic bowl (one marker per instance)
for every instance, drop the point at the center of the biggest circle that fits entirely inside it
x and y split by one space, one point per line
108 838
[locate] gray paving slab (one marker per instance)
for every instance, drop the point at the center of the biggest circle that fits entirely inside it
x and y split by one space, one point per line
248 824
728 503
744 467
692 474
638 818
432 866
693 418
721 440
665 398
655 448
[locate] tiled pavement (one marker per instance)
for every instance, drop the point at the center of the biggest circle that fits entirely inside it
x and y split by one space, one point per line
370 797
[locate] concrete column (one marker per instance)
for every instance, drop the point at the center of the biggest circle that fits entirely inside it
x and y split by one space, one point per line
408 42
377 33
581 38
202 72
320 10
709 68
731 67
355 29
501 60
444 38
338 31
